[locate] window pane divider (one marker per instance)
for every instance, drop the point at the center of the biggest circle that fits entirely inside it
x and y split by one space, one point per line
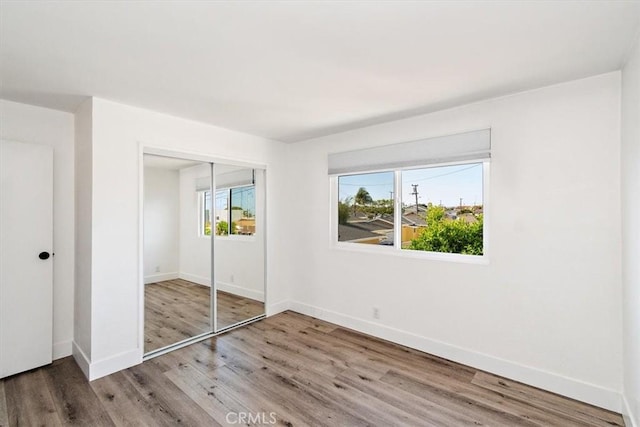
397 210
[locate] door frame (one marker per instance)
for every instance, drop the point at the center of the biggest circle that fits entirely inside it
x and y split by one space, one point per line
146 148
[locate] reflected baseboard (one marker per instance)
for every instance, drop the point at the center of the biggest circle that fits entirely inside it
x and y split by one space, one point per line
226 287
160 277
240 291
204 281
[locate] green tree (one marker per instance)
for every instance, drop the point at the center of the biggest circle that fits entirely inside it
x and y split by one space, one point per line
452 236
362 198
222 228
343 212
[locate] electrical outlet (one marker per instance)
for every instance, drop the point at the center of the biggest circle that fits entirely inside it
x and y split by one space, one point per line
157 269
376 313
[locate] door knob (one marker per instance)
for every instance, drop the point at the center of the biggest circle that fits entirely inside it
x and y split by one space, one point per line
43 255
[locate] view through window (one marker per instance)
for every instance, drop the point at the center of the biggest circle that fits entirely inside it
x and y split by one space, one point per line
442 209
235 211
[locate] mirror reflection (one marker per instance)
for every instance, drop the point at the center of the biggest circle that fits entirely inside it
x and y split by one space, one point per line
177 293
238 218
196 229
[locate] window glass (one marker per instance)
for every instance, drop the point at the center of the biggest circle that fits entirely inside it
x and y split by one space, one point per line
442 209
235 212
243 210
365 208
222 212
205 222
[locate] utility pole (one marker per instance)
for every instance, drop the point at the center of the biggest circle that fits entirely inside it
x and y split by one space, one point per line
415 193
460 201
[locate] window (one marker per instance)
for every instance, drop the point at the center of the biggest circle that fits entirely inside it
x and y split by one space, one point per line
222 212
235 211
419 196
442 209
205 222
365 208
243 210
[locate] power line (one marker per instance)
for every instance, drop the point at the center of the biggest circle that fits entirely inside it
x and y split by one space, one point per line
368 185
448 173
419 179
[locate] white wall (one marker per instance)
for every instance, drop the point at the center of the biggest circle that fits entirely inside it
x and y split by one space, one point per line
116 294
161 224
195 250
239 256
26 123
630 180
547 308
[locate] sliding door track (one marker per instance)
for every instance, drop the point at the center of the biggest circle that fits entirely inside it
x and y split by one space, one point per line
198 338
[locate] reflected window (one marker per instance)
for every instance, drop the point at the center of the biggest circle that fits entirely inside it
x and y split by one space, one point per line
235 211
205 213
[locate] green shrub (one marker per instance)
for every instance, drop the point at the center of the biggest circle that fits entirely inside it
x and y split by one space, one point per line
441 235
343 212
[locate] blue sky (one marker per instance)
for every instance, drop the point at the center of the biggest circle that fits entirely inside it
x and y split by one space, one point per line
444 184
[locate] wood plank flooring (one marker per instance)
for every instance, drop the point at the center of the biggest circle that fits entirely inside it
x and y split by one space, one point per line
293 370
179 309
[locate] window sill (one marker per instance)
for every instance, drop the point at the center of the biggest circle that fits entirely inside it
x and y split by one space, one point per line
406 253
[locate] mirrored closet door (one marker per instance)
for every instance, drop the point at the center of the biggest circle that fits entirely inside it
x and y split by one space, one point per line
177 290
204 250
239 244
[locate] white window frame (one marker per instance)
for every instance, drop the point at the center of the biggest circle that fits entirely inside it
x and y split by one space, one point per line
201 208
396 249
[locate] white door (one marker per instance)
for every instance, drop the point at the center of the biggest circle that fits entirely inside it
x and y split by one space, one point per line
26 264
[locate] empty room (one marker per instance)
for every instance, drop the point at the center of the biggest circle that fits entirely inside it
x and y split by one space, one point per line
309 213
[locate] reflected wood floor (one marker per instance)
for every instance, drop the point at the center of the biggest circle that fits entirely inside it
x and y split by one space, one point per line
233 309
304 371
173 311
178 309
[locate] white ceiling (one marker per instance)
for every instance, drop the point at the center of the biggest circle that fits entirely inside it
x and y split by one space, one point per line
295 70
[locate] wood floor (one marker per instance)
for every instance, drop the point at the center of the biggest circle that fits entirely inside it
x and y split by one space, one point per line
296 369
178 309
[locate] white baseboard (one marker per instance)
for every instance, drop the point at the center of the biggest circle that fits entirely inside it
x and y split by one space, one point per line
240 291
62 349
107 366
630 419
575 389
160 277
204 281
278 307
104 367
81 359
